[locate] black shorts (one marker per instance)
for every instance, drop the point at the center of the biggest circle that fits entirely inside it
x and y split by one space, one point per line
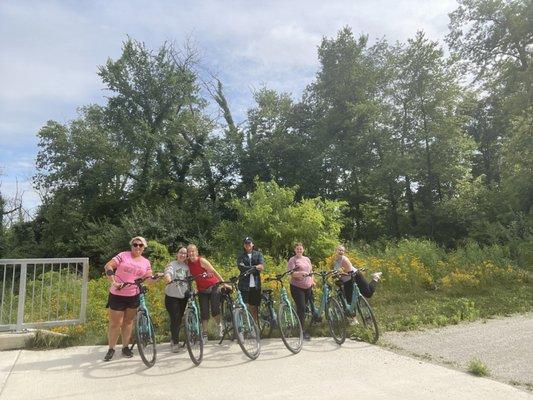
209 300
121 303
251 296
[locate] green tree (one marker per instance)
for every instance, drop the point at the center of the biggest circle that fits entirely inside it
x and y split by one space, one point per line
276 221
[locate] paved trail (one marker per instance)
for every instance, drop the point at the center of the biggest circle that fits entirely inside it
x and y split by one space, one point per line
321 371
504 345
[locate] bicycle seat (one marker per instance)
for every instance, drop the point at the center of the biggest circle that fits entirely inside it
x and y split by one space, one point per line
226 290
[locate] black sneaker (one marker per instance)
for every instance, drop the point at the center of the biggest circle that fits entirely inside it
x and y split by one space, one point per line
109 355
126 352
307 336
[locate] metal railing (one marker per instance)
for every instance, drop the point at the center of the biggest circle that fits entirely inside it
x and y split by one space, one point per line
42 292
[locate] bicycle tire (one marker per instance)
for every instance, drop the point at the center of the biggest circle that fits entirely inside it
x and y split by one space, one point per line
145 337
247 333
336 320
193 336
366 328
266 323
290 328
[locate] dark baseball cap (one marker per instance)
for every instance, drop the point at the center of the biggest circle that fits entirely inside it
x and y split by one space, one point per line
248 239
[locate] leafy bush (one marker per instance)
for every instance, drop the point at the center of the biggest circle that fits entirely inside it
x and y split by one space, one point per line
276 221
477 368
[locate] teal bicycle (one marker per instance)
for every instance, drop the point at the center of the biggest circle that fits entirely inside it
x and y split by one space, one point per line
237 321
192 324
288 322
144 329
365 325
329 306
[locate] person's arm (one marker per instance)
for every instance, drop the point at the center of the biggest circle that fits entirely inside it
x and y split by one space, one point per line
241 264
261 261
168 273
291 265
346 264
209 268
109 269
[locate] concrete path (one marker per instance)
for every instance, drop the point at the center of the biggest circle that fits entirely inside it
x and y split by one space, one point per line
321 371
504 345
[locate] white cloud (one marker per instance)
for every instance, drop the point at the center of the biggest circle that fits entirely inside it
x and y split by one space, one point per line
51 49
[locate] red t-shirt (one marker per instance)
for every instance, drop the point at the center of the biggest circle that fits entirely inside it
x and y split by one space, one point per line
195 267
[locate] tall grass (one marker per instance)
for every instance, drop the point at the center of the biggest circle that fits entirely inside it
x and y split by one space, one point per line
422 285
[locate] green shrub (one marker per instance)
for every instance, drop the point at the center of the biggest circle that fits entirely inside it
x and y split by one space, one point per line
276 221
477 368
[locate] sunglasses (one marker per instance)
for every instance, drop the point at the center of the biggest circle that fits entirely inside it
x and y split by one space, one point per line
138 245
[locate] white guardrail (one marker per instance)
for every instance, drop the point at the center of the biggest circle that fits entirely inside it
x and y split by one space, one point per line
42 292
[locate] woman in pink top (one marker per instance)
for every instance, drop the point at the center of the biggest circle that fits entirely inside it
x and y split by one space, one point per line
123 301
301 283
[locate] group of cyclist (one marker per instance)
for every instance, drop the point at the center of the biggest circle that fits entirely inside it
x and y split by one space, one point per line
130 265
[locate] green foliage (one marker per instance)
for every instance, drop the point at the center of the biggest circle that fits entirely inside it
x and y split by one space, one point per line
158 255
412 294
276 221
478 368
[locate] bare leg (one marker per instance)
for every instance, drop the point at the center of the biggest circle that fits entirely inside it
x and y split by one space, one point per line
127 325
115 323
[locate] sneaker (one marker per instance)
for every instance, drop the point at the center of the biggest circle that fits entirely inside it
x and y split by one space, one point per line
126 352
204 338
376 276
354 321
307 336
109 355
174 347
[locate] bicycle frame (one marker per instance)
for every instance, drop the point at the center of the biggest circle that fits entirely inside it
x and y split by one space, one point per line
269 301
283 295
324 297
233 303
351 309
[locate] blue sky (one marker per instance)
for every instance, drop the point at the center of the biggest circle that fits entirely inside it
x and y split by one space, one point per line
50 51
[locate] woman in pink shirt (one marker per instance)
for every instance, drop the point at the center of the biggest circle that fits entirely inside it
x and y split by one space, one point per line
301 283
124 301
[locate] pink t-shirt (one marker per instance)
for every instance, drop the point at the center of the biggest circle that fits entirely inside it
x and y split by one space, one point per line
129 269
304 265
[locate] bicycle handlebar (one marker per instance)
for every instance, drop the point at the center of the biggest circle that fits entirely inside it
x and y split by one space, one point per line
139 281
189 279
279 277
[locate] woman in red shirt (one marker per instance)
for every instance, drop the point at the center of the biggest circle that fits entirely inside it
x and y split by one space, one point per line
208 295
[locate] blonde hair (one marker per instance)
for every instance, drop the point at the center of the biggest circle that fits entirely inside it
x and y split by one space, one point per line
192 247
140 239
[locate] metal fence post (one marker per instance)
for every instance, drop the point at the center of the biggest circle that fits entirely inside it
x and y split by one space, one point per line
22 295
83 307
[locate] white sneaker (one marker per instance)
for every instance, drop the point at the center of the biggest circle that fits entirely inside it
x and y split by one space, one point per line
204 338
354 321
376 276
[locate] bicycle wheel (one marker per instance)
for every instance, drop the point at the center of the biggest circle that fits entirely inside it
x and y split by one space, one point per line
193 334
366 327
336 320
145 337
290 328
266 324
247 332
